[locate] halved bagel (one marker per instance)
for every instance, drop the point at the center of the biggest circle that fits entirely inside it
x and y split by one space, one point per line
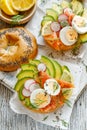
17 46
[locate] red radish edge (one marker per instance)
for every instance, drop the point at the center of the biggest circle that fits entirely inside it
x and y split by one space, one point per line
41 67
55 26
62 17
25 92
27 85
37 86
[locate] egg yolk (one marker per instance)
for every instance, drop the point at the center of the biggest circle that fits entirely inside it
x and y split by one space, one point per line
71 35
41 99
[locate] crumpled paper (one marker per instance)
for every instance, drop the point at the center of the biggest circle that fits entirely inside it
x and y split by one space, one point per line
60 118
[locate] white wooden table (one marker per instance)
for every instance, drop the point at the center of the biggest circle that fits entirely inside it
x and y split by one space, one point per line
11 121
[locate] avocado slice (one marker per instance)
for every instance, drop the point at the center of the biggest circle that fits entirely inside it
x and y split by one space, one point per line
83 37
34 62
20 83
52 13
26 73
48 17
58 69
20 95
57 8
49 65
48 71
29 67
43 22
66 4
77 7
27 102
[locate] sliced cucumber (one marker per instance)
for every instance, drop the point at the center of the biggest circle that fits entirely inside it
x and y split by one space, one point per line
20 83
52 13
49 65
58 69
25 73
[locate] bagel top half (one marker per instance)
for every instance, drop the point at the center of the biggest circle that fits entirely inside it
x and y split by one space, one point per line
17 46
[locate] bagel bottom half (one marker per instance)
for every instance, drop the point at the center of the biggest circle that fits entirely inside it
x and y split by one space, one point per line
58 45
17 46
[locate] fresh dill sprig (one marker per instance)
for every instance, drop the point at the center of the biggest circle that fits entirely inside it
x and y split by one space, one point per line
64 123
45 118
68 102
16 19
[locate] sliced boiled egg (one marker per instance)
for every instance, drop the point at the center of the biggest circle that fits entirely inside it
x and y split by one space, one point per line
68 36
79 24
52 87
39 98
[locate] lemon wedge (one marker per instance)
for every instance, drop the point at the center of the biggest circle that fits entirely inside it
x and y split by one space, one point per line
46 30
5 5
22 5
66 76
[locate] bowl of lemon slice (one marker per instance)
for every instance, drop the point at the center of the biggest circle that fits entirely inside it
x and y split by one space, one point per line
17 11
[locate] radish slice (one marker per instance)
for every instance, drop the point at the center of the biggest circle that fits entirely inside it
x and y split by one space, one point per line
55 26
34 86
41 67
68 11
28 83
62 17
26 92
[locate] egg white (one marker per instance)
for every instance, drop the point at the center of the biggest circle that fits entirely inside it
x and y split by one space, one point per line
33 98
48 86
63 36
82 29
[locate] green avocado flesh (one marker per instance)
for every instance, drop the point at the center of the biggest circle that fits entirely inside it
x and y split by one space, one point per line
26 73
20 83
49 65
58 69
52 13
28 67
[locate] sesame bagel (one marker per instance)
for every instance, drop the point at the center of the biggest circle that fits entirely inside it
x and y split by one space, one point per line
17 46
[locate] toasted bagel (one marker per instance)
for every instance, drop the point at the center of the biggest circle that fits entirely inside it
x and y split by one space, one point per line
17 46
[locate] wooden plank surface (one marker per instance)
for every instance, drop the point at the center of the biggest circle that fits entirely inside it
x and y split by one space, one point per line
12 121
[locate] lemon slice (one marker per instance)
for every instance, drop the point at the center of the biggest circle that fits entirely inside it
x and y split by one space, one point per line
22 5
66 76
46 30
5 5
